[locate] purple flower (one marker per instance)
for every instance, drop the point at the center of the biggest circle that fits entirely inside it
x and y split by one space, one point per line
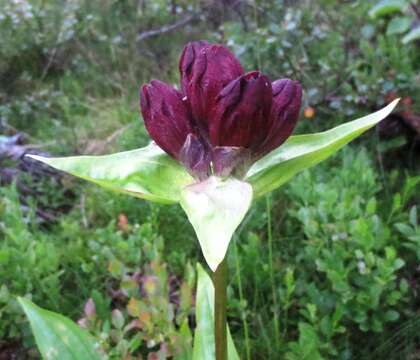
205 71
242 112
166 115
287 95
222 119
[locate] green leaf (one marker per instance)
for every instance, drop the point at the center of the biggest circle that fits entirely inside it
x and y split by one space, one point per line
302 151
307 346
186 350
404 229
204 347
392 315
398 25
413 216
386 7
414 34
147 173
58 337
215 207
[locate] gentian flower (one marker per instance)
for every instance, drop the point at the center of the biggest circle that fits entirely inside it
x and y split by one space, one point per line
219 122
222 119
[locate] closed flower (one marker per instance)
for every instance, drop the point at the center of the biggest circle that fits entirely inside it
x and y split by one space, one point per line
222 119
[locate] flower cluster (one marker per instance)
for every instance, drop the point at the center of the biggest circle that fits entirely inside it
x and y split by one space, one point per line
222 119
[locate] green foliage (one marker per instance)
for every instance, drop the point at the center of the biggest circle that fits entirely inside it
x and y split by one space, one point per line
411 232
386 7
398 344
406 24
398 25
48 264
336 50
147 311
122 334
58 337
307 346
30 28
45 38
356 261
70 73
340 264
412 35
29 264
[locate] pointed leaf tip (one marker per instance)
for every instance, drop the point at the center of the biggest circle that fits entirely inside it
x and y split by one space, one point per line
35 157
147 173
300 152
215 207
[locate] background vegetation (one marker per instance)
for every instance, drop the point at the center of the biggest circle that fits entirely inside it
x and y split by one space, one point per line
325 268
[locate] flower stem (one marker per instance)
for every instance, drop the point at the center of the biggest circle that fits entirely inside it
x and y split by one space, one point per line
220 301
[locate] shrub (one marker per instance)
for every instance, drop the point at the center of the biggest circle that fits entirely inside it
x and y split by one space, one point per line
340 267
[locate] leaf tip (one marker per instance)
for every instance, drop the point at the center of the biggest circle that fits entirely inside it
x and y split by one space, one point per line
384 112
213 264
23 302
394 103
35 157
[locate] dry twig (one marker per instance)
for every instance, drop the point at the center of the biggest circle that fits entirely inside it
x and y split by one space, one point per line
166 28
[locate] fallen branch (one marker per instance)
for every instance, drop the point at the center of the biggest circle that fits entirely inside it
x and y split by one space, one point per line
415 9
28 174
166 28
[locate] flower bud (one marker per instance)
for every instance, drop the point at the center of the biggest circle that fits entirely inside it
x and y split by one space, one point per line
287 98
205 70
166 116
242 112
90 309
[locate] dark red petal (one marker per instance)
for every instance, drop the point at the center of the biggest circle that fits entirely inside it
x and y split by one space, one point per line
205 71
287 98
187 59
242 112
166 116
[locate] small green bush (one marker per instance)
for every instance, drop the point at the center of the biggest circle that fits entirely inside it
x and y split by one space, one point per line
349 261
339 262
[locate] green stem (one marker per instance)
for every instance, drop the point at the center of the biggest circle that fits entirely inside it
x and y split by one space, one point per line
220 301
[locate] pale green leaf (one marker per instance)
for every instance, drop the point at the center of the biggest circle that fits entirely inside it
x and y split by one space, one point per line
57 337
302 151
215 207
398 25
385 7
414 34
204 346
147 173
